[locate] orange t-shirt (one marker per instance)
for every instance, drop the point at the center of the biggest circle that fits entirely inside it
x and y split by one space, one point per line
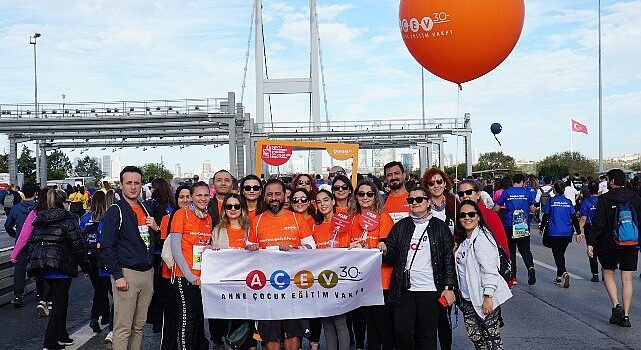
287 228
196 234
373 237
236 237
143 229
310 222
251 214
164 232
344 210
323 234
396 206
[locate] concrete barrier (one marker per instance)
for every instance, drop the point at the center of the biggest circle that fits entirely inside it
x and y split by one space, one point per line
6 277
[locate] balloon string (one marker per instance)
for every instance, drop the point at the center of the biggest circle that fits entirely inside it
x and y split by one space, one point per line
460 87
497 140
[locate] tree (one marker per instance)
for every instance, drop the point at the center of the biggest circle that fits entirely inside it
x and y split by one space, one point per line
559 164
27 164
58 165
88 167
4 163
155 170
495 160
451 171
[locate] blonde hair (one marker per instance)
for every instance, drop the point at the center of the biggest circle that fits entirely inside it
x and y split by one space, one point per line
243 219
56 199
355 207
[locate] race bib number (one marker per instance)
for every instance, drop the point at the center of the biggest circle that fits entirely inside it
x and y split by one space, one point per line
144 234
197 256
520 227
398 216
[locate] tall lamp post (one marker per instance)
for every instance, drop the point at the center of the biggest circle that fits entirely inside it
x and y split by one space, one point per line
39 174
601 167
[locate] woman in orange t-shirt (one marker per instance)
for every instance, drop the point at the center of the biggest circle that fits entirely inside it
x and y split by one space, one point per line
300 203
191 230
342 190
380 326
251 188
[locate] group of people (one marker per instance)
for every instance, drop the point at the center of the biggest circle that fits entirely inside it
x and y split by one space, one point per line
443 245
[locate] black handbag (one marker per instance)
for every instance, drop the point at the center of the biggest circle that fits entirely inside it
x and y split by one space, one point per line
236 338
406 284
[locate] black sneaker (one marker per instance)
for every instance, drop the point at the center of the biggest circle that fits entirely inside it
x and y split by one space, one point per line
557 280
617 314
66 342
625 322
531 276
104 320
595 277
93 324
17 302
566 280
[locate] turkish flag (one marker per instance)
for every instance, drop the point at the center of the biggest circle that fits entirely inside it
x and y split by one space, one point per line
578 127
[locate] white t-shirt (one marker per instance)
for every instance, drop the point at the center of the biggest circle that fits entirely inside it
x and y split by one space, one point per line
459 258
570 193
422 274
443 216
603 187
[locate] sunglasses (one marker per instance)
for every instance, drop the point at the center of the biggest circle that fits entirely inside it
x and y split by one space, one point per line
469 214
251 188
437 182
418 200
368 194
232 206
466 192
299 200
304 182
338 188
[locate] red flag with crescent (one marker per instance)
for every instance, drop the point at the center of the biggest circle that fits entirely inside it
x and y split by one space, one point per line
578 127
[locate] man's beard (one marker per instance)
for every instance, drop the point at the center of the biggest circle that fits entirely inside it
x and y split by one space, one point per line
396 185
275 206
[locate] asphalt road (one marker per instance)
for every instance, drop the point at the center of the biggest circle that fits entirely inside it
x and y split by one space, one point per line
543 316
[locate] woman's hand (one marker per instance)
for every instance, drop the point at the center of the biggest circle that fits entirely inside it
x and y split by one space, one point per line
284 248
449 296
488 305
590 252
252 247
214 246
357 244
579 238
382 247
196 281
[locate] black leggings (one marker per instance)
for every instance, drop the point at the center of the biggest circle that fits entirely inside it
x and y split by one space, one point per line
100 305
594 262
558 246
57 325
523 245
380 327
417 318
356 327
315 326
191 333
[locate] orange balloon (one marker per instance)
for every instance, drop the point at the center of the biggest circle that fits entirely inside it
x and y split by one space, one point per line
461 40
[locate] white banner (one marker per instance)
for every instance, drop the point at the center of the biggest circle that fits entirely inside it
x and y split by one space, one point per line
302 283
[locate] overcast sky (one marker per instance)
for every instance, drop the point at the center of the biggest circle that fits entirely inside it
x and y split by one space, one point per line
135 50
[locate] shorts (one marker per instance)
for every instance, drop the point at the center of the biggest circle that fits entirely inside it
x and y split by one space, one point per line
277 330
623 259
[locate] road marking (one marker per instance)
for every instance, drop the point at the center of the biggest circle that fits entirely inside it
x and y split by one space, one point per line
552 268
81 337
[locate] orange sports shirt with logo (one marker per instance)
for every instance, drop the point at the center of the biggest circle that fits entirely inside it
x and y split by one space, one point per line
396 206
323 234
164 232
236 237
287 228
196 233
373 238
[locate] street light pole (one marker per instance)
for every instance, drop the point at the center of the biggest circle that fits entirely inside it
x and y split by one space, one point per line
39 174
601 169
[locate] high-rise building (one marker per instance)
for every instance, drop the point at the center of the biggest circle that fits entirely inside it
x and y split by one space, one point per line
178 171
206 170
106 165
116 167
407 159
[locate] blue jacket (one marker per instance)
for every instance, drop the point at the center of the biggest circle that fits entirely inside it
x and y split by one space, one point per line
17 216
122 246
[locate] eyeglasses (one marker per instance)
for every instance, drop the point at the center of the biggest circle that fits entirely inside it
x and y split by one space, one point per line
338 188
232 206
469 214
336 173
302 200
418 200
437 182
251 188
363 194
466 192
303 182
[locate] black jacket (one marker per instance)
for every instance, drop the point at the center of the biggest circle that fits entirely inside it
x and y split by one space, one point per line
441 248
56 244
122 245
602 235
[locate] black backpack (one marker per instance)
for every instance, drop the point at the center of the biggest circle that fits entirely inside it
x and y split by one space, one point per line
505 264
90 234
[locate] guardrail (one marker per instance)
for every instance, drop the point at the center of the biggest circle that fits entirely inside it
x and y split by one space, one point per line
6 277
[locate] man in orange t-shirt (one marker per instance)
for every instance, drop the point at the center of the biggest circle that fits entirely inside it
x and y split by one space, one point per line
395 204
281 229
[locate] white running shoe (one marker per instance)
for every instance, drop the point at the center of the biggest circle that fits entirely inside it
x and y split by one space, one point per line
109 338
42 310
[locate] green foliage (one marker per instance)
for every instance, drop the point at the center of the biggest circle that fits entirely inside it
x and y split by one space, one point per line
155 170
27 164
58 166
88 167
450 171
4 163
558 164
495 160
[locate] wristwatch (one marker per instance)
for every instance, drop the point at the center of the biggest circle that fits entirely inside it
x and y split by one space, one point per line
449 287
487 296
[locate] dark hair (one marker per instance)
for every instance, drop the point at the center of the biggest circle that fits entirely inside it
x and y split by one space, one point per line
618 176
559 187
310 207
243 219
547 180
180 188
198 184
130 169
593 186
247 178
221 171
469 182
42 200
312 183
377 206
162 192
391 165
505 183
518 178
275 181
98 205
460 234
319 217
29 189
345 180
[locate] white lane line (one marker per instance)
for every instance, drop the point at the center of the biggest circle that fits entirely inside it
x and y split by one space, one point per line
552 268
81 337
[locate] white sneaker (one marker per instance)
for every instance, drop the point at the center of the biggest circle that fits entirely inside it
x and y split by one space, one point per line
109 338
42 310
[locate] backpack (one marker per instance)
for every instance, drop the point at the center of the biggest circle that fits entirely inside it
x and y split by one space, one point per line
626 231
505 264
545 196
8 200
90 234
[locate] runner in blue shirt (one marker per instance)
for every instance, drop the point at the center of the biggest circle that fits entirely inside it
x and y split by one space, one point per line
519 202
558 226
588 208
